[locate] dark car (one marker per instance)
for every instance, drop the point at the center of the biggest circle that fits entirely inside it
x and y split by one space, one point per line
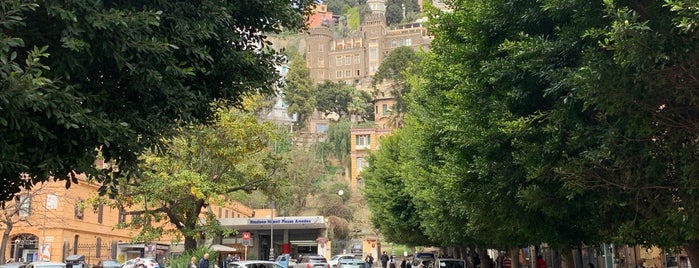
312 261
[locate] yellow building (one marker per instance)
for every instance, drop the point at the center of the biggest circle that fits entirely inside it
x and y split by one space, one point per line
52 222
362 142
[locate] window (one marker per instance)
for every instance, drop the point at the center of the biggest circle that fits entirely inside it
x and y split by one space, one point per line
25 202
393 43
356 58
376 111
321 62
320 47
408 42
226 213
357 72
79 209
384 109
348 73
321 128
373 68
122 216
98 248
373 53
220 212
360 164
348 60
363 141
338 60
401 42
338 74
100 213
75 244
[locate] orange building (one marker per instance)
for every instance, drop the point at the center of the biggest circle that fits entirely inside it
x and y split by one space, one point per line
362 142
320 15
52 222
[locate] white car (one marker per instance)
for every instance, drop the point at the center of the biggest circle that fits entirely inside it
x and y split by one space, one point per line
46 264
255 264
336 259
142 263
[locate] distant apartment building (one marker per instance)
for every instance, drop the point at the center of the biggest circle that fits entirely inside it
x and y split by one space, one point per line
320 16
354 59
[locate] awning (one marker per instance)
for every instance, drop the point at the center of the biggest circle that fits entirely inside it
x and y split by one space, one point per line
222 248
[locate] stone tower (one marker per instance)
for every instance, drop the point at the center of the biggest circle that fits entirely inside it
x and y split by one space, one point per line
317 47
377 6
374 30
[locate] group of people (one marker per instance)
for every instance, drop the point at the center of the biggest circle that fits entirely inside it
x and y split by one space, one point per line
385 259
203 263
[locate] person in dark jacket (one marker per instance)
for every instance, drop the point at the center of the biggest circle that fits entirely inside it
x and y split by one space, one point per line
204 262
384 259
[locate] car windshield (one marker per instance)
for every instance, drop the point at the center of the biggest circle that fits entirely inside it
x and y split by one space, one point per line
110 263
50 266
451 264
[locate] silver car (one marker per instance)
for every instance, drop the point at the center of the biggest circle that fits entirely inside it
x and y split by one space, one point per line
255 264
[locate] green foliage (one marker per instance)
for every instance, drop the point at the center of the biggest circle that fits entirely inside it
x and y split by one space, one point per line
337 6
203 165
338 136
183 260
305 171
394 14
396 69
299 91
119 76
353 19
343 100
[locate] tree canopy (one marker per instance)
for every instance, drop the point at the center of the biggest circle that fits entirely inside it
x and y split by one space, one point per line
546 111
299 92
202 166
87 78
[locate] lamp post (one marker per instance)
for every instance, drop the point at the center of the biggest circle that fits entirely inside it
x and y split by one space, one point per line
271 233
17 249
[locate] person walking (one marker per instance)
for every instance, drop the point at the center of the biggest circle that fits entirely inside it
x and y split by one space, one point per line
369 260
540 262
384 259
403 263
204 262
193 262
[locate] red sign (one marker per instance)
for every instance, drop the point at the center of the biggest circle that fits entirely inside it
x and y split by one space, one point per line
246 236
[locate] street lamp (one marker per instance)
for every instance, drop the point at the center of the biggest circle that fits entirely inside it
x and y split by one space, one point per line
271 233
17 249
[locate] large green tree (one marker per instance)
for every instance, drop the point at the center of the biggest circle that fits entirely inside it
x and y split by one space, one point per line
543 112
395 71
299 92
203 165
117 76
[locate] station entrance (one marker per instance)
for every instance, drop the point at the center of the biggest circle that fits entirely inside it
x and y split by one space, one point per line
269 237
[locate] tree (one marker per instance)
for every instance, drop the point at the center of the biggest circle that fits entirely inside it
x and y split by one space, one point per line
298 91
556 110
389 197
361 105
395 70
203 165
304 173
394 14
119 76
333 97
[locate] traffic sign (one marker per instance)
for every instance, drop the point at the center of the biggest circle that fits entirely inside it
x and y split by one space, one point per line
246 238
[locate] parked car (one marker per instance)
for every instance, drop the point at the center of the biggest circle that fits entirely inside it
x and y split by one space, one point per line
46 264
452 263
285 260
312 261
14 265
335 259
141 263
255 264
107 264
351 263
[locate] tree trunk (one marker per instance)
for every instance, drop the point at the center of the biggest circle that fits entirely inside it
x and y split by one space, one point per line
692 248
190 243
5 238
514 257
567 259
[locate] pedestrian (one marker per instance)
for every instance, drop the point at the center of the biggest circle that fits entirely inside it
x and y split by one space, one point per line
590 265
506 262
204 262
403 264
193 262
477 261
540 262
369 260
384 259
229 260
